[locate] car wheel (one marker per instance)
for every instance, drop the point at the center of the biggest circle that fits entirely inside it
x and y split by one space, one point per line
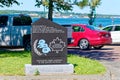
27 45
84 44
98 47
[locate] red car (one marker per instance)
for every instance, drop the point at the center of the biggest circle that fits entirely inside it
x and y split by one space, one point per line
86 36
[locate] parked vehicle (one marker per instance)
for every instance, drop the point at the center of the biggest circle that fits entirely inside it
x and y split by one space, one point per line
69 32
15 30
86 36
115 32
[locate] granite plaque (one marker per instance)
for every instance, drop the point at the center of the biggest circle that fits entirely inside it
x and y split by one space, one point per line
49 43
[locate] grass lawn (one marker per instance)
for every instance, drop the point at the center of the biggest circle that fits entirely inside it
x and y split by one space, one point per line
13 63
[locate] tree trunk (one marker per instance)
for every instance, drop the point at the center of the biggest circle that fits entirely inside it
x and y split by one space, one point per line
50 10
92 16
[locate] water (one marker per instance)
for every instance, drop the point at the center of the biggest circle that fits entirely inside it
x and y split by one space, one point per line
103 21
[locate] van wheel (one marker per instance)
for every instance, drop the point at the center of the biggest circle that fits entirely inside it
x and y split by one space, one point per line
84 44
27 45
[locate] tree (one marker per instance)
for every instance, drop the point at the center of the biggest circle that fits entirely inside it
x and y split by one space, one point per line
92 4
8 3
59 5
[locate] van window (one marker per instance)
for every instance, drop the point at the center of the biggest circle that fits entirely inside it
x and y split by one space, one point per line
22 21
3 21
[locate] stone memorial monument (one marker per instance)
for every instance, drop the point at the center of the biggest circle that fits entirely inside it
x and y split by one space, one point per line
49 49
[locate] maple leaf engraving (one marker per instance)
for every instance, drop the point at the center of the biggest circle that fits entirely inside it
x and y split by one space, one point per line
57 45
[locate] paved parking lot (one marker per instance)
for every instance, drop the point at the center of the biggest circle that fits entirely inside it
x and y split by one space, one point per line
107 53
109 56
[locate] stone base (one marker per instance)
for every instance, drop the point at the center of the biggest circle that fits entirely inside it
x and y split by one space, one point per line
49 69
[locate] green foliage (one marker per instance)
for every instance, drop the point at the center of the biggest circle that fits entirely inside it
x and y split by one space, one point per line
82 3
42 2
59 5
13 63
8 3
92 4
37 72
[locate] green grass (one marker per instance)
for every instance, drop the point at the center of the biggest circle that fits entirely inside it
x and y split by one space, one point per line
85 65
13 63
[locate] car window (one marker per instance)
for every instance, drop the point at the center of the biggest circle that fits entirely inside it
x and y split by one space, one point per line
22 21
81 29
78 29
108 28
117 28
92 27
3 21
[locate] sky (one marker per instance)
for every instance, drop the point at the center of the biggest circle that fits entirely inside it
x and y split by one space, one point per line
106 7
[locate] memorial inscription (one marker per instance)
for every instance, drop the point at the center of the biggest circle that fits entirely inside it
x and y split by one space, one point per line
49 43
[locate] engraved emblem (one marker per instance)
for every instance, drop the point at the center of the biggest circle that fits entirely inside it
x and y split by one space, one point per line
42 45
57 45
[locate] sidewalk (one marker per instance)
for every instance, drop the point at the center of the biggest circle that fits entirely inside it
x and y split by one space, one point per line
58 77
106 76
114 69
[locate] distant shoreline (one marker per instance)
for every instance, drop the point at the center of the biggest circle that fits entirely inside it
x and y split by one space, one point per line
57 14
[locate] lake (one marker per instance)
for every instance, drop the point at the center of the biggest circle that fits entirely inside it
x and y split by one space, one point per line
103 21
